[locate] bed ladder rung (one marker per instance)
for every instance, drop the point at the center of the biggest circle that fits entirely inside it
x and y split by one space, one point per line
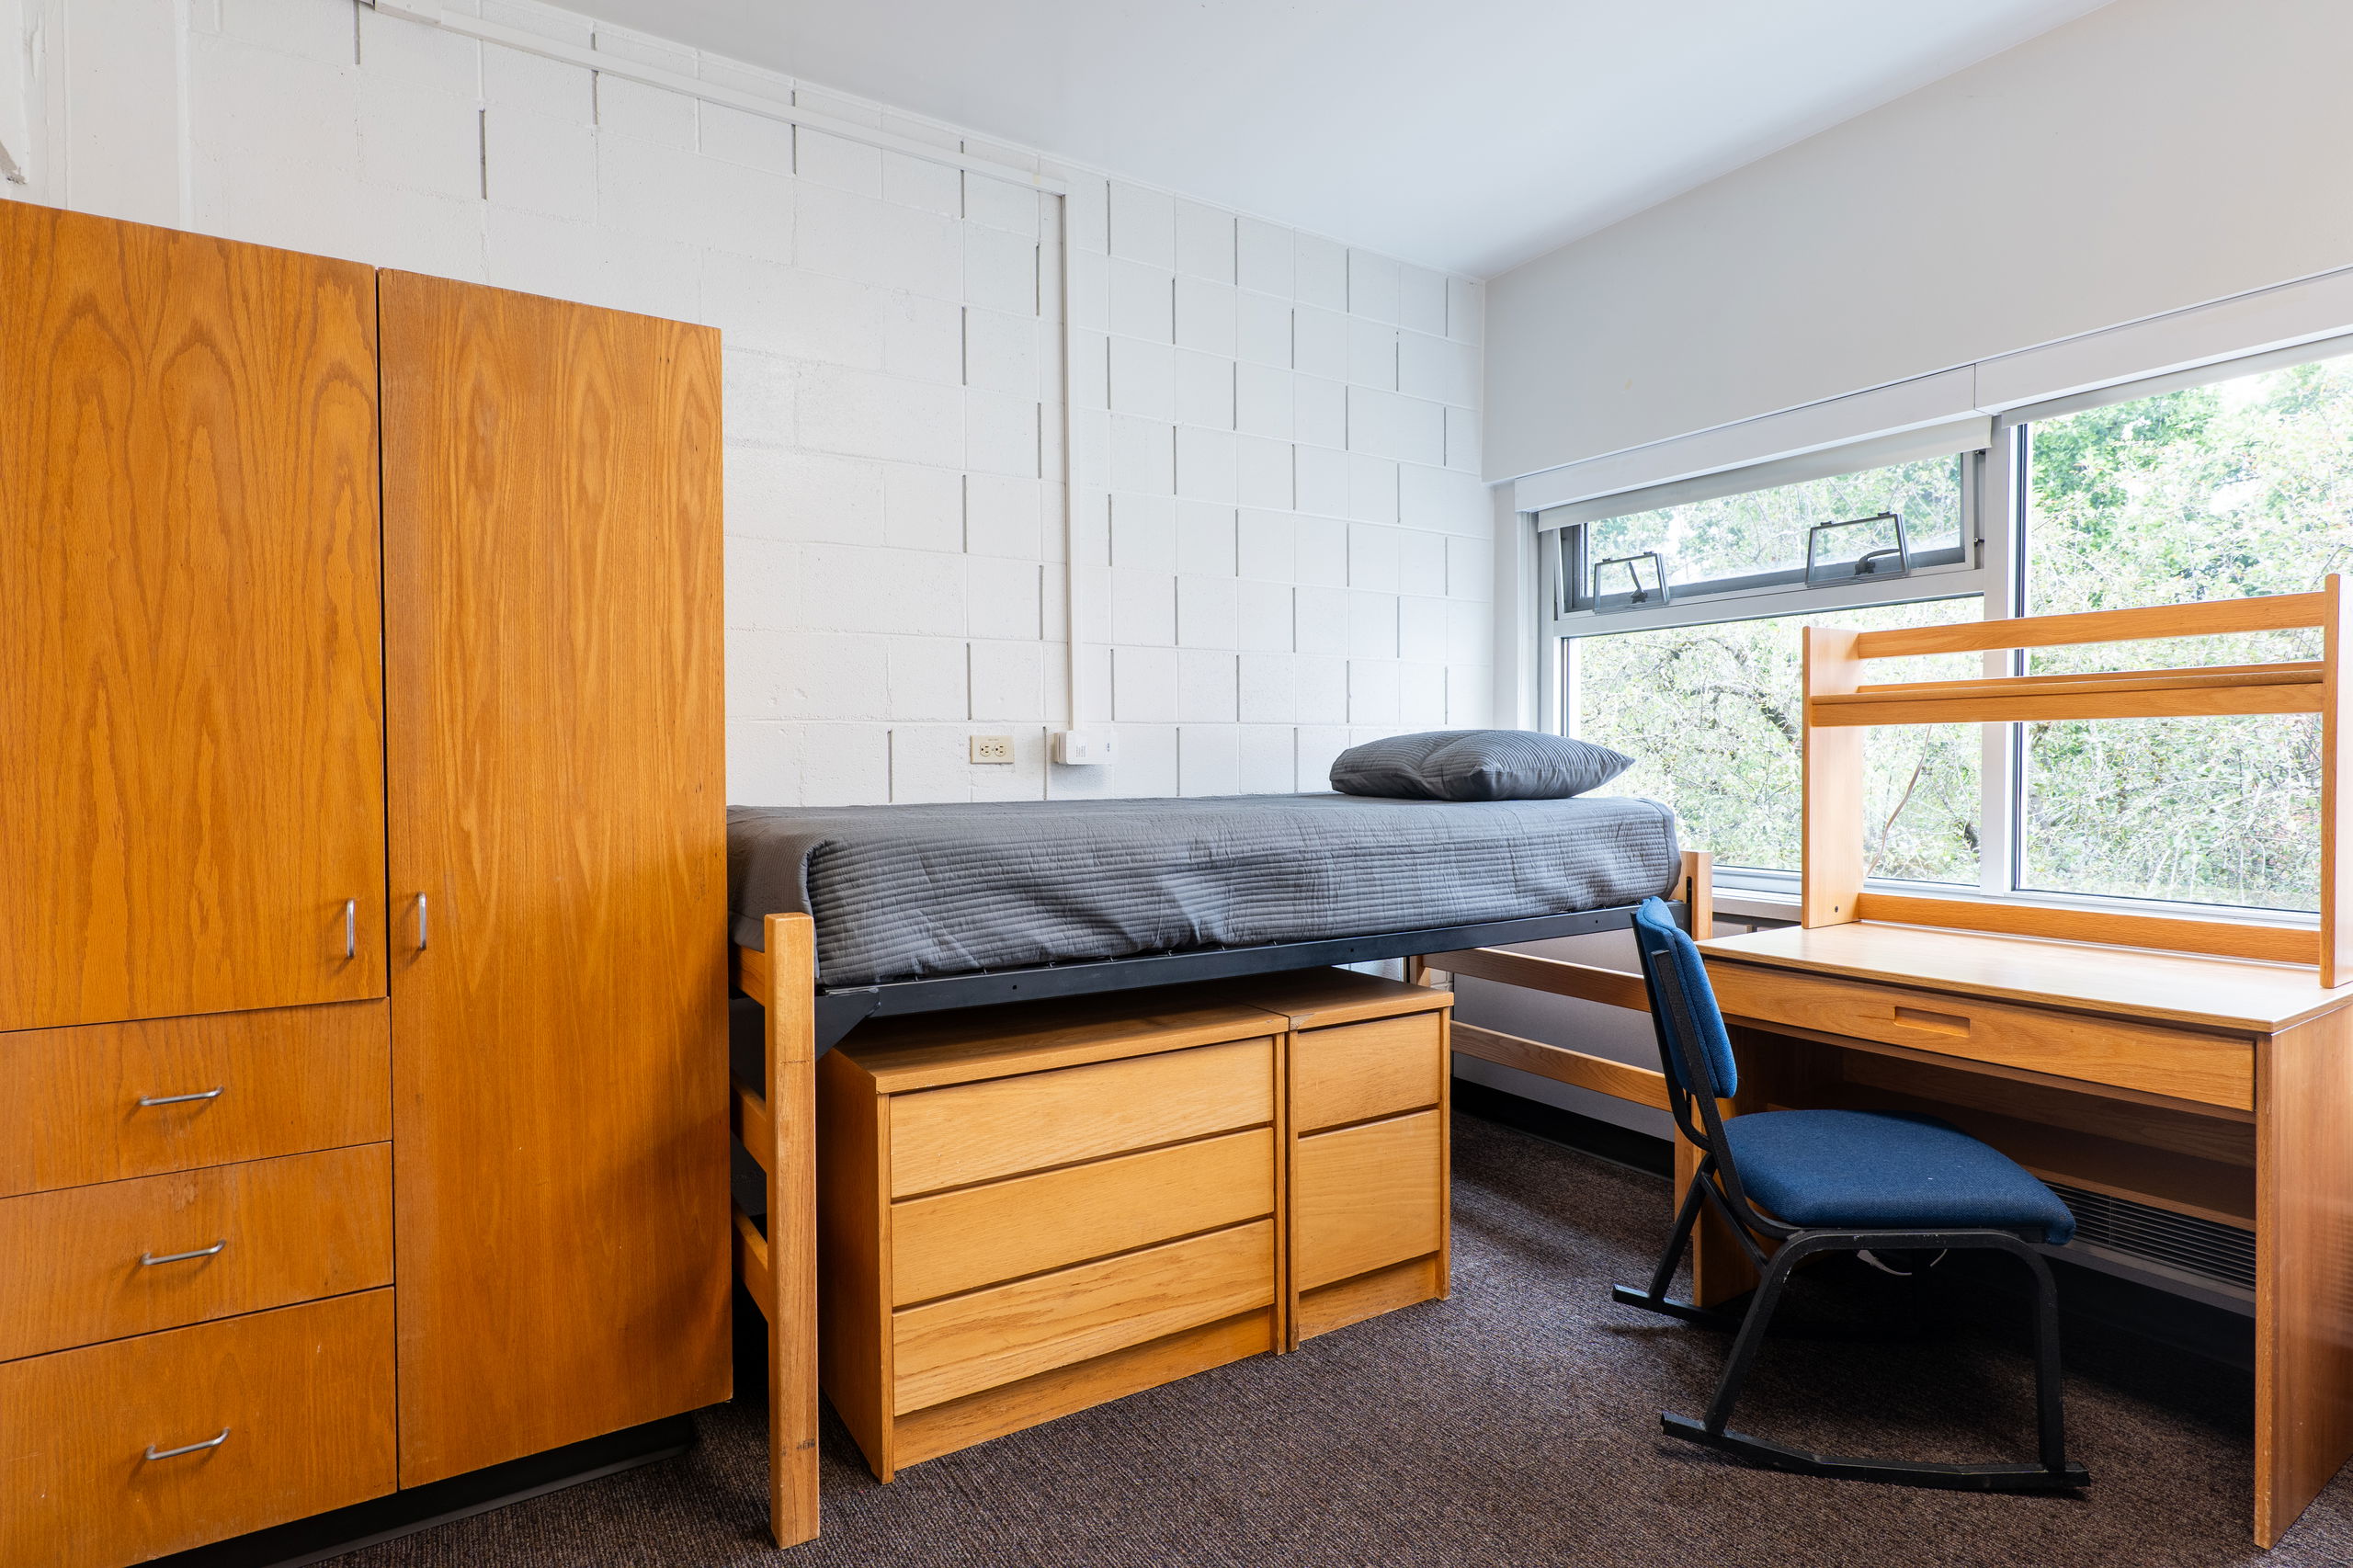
751 1121
752 1263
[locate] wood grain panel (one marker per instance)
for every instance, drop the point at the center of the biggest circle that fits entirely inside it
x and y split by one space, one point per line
305 1394
551 547
975 1133
987 1338
854 1214
1348 1302
2181 699
2276 612
1831 859
2185 988
1556 977
1359 1070
2223 938
192 782
1366 1197
291 1079
297 1228
928 1050
979 1235
2181 1063
976 1418
2303 1255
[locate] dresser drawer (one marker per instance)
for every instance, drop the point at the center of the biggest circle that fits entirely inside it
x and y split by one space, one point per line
1366 1197
989 1338
287 1080
978 1235
304 1393
2217 1069
292 1229
973 1133
1356 1071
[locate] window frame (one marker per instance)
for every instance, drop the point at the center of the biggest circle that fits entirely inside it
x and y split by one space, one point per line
1996 532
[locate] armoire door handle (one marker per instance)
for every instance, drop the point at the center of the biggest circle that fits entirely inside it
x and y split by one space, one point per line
151 1101
155 1453
420 923
351 927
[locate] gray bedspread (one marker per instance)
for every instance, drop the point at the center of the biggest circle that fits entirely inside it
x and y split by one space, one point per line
900 893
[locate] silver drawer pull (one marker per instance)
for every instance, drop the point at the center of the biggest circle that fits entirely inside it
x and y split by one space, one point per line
420 923
155 1453
150 1259
154 1100
350 928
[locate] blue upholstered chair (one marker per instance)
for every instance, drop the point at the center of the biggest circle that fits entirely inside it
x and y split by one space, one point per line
1819 1181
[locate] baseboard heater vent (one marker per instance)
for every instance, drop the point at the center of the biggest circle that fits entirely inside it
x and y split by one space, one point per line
2207 1248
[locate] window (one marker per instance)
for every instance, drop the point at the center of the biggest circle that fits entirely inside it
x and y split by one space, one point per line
1672 621
2218 490
1699 680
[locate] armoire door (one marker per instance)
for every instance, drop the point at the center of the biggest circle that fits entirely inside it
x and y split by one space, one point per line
558 832
191 762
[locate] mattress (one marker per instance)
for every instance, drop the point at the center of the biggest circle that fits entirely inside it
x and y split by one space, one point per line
906 892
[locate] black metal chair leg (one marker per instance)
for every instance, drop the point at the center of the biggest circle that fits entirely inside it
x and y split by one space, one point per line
2052 1471
1751 1338
1678 1242
2050 1413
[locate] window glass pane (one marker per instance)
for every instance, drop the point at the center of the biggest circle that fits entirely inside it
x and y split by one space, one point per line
1764 530
1710 715
2216 491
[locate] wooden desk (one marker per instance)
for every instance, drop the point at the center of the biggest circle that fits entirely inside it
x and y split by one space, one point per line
2210 1087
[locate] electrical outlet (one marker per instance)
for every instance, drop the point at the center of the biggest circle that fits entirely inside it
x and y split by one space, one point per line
992 748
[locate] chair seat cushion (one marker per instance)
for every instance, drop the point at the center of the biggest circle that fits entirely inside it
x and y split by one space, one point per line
1880 1170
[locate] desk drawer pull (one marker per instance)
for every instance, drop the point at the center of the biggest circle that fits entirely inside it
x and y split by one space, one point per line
1943 1023
155 1453
150 1259
152 1100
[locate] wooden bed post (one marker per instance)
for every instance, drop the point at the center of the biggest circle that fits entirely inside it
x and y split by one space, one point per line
789 999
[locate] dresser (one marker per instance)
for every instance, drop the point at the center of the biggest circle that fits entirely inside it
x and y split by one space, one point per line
362 1083
1028 1210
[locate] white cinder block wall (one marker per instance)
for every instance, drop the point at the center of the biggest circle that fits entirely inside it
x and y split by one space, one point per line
1283 543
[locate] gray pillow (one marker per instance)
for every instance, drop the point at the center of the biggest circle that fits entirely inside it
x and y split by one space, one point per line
1476 765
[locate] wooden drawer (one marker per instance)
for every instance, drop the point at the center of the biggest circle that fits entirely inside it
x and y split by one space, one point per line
2217 1069
1359 1070
978 1235
305 1394
1368 1196
296 1228
988 1338
973 1133
291 1079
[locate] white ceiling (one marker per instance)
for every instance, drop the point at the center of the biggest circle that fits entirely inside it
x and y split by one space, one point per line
1470 136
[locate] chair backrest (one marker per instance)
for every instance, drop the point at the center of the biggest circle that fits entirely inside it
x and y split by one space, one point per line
1693 1045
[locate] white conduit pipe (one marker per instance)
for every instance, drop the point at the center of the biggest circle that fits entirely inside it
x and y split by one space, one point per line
519 38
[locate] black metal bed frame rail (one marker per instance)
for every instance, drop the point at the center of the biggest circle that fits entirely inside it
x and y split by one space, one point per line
842 1010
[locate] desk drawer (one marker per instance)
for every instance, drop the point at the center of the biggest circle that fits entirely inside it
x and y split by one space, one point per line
1366 1197
1355 1072
2183 1064
304 1393
974 1132
978 1235
290 1079
989 1338
296 1228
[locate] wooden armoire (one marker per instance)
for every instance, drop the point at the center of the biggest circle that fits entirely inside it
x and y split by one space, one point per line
362 873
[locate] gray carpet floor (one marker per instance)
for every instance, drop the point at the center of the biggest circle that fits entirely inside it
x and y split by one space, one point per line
1514 1423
